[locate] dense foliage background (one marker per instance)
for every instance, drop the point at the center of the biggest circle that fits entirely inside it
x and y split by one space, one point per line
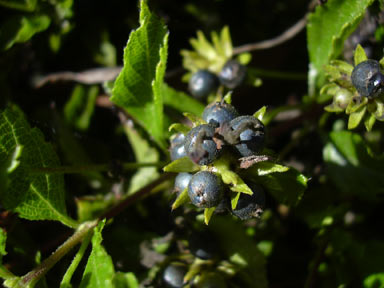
72 155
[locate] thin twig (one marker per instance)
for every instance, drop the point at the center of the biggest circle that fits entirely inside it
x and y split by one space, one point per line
266 44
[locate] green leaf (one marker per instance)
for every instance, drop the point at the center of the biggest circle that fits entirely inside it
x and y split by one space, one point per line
356 117
259 114
144 152
196 121
125 280
228 97
19 29
181 101
91 207
234 201
184 164
99 271
79 109
356 104
138 88
180 128
265 168
359 55
208 212
3 239
374 281
181 199
24 5
327 29
287 187
32 194
352 167
369 122
241 251
343 67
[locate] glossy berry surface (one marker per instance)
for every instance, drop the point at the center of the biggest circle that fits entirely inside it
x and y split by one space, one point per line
200 146
203 83
218 113
182 181
232 74
173 275
251 135
250 206
368 79
177 147
205 189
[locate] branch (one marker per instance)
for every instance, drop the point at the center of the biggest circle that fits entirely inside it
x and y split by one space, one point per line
270 43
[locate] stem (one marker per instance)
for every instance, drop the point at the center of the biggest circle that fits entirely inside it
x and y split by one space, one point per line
32 277
266 44
88 168
274 74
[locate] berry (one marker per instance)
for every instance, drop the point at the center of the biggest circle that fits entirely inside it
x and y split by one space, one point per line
202 245
218 113
173 275
200 146
247 135
368 79
203 83
177 147
182 181
250 206
205 189
232 74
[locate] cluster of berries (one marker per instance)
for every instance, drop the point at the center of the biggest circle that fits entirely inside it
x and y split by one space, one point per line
204 82
225 130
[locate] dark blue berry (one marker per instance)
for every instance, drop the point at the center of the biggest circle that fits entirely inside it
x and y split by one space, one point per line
368 79
202 245
218 113
248 135
232 74
173 275
177 147
200 145
205 189
203 83
182 181
250 206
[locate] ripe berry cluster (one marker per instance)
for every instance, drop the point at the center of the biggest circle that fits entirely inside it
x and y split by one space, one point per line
204 82
225 130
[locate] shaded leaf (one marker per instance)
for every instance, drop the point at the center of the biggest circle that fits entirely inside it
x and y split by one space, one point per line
183 164
99 271
369 122
24 5
19 29
3 239
138 86
208 212
374 281
356 117
125 280
33 195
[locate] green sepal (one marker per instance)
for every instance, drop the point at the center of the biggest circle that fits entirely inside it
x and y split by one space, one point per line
208 212
183 164
333 108
228 97
379 111
355 117
343 67
180 128
359 55
355 104
259 114
181 199
234 200
369 122
196 121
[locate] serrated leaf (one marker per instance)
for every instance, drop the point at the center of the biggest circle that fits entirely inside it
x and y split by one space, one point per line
19 29
359 55
79 109
138 88
181 101
196 121
181 199
259 114
99 271
208 212
183 164
180 128
23 5
125 280
241 251
356 117
369 122
327 29
352 167
143 152
33 195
